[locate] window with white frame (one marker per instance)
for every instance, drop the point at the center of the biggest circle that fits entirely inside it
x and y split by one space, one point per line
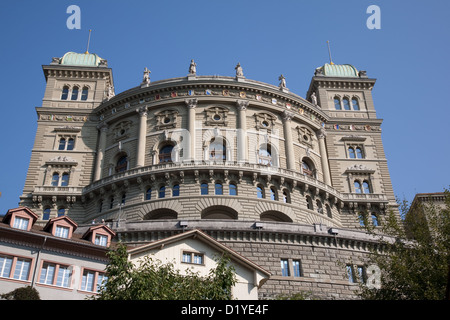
192 257
55 274
21 267
92 280
62 232
101 240
21 223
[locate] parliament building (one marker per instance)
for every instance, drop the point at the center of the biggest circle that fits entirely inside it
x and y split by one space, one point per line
281 179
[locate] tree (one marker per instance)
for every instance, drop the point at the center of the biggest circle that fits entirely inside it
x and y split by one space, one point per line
414 254
23 293
152 280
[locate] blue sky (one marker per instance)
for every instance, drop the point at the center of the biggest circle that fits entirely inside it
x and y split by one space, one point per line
409 57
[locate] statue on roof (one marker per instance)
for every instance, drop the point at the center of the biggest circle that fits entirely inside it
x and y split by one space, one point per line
239 72
146 79
282 81
193 67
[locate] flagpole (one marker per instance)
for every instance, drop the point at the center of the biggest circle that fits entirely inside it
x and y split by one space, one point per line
89 39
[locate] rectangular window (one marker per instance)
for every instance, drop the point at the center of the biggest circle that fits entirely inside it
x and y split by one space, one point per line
87 282
47 273
5 266
22 269
64 273
101 280
101 240
62 232
350 275
186 257
285 268
21 223
296 268
191 257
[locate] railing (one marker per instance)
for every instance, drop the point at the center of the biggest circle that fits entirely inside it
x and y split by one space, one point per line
57 190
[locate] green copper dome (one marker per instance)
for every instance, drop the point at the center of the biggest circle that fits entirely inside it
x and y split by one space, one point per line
337 70
81 59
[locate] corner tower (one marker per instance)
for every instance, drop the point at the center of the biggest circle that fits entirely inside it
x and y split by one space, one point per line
63 154
358 164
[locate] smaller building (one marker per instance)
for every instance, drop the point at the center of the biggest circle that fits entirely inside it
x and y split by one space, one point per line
197 251
61 260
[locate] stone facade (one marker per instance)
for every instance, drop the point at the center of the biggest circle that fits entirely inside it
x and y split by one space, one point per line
230 149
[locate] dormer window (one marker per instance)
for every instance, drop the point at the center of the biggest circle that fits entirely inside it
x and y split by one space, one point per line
62 227
100 235
101 240
62 232
20 218
21 223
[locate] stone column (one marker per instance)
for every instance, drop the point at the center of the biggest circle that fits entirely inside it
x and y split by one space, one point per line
142 136
242 150
191 104
324 158
101 151
288 143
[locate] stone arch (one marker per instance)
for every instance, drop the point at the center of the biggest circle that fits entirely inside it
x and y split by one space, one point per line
162 213
218 201
270 206
158 206
275 216
219 212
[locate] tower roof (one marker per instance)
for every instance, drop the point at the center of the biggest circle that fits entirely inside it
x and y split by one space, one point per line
81 59
337 70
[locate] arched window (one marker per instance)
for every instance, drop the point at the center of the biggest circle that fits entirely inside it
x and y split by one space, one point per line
327 207
319 206
218 189
111 202
124 198
217 149
359 153
55 179
286 198
65 93
84 93
337 103
366 187
176 190
307 169
265 155
75 93
62 144
374 220
361 219
232 189
61 211
309 203
65 179
148 194
273 194
351 153
357 187
204 188
259 192
100 206
355 104
122 164
346 103
70 144
165 154
46 214
162 192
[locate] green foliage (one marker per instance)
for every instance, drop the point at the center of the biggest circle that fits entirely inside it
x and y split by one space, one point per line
23 293
152 280
414 257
